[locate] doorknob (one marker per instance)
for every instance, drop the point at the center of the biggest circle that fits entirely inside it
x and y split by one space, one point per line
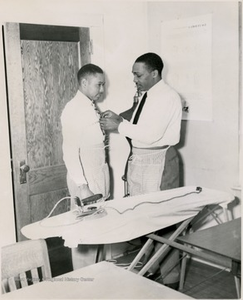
23 170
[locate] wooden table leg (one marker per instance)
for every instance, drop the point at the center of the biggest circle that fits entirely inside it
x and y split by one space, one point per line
183 271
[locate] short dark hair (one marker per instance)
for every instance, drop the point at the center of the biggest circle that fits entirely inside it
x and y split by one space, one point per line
152 61
88 69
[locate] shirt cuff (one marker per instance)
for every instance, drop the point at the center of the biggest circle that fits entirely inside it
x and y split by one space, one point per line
123 127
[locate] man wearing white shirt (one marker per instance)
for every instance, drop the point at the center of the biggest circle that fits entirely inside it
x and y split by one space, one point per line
83 146
157 129
150 132
83 140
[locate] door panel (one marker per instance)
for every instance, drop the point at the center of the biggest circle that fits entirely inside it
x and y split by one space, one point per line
41 79
49 81
43 180
47 201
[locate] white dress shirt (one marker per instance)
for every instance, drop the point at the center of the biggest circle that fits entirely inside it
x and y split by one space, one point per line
160 120
82 138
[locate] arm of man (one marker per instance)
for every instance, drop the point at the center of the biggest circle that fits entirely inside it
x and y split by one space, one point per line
153 124
151 127
72 158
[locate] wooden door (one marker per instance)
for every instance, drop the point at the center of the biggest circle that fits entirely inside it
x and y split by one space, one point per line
41 67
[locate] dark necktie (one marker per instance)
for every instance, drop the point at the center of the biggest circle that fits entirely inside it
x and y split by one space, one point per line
140 107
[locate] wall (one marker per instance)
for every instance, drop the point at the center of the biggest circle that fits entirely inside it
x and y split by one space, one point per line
209 149
118 44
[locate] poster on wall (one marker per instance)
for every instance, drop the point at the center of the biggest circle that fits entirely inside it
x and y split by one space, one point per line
186 48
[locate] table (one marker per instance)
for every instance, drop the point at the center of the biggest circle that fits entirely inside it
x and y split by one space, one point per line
129 218
224 241
99 281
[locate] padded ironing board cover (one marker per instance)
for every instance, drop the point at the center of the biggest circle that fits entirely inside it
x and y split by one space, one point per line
154 211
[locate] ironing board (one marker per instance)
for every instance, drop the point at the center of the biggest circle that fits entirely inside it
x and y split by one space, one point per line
129 218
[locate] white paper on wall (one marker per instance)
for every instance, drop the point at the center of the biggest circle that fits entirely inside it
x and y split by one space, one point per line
186 49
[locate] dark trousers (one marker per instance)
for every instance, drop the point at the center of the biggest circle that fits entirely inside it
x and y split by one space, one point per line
170 178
